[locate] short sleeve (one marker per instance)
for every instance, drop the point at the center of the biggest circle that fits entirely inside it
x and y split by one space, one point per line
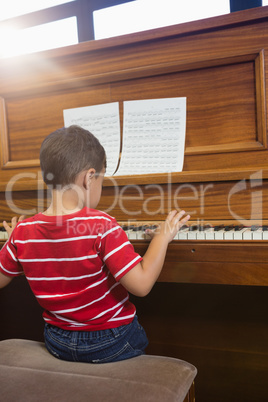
9 264
117 252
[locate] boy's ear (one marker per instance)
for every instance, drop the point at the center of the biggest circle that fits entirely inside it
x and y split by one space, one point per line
88 176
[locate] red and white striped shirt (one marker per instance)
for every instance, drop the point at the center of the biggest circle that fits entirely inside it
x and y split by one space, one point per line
73 264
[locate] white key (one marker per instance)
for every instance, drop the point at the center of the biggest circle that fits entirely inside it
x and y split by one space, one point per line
140 234
265 235
247 234
200 235
210 234
3 235
182 234
192 234
257 234
131 234
238 234
229 235
219 234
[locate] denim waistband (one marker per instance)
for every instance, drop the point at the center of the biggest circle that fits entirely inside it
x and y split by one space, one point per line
83 335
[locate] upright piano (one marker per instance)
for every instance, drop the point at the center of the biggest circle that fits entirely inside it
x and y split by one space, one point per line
209 305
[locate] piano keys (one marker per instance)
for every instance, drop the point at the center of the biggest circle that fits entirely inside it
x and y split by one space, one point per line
203 232
229 254
3 234
193 232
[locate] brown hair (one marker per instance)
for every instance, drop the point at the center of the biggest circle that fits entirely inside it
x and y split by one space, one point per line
68 151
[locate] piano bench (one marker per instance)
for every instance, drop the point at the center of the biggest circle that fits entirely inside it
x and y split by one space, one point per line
28 373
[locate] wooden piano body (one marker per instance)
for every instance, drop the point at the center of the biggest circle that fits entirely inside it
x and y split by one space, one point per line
209 306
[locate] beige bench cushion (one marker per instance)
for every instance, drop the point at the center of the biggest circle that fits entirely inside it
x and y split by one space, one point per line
29 373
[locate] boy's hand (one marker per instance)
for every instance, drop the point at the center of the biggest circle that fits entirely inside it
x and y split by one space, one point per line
14 222
170 227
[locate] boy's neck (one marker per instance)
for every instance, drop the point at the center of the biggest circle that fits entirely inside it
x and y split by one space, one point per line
64 203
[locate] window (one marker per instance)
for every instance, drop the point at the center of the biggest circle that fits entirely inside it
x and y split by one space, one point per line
141 15
33 25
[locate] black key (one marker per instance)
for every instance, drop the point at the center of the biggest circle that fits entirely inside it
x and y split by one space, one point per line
193 227
254 228
144 227
239 227
127 227
218 227
202 228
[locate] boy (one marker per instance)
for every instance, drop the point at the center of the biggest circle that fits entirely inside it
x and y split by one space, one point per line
78 260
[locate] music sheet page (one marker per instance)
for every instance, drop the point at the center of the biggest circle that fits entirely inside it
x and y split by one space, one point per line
153 136
103 121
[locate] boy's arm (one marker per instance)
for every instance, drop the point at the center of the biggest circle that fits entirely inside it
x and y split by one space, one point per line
4 280
140 279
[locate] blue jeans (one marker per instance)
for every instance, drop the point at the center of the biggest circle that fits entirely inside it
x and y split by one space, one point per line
109 345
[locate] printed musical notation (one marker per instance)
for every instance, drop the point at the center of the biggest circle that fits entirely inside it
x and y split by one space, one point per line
153 134
102 121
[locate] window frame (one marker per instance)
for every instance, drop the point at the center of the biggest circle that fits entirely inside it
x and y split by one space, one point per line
81 9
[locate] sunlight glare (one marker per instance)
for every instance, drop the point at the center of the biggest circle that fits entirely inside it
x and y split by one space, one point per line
42 37
13 8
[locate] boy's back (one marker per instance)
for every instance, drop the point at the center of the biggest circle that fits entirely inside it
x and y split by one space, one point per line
73 264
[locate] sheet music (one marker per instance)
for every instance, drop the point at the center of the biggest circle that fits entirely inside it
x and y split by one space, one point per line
103 121
153 136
